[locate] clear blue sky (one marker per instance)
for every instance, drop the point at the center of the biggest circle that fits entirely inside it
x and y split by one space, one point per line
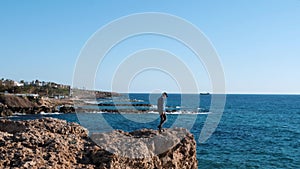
258 41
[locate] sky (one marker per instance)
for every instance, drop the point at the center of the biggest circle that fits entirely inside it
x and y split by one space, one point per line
257 42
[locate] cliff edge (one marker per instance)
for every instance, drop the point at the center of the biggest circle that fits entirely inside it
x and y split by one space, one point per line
55 143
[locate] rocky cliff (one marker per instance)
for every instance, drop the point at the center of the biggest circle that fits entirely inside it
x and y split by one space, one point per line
50 142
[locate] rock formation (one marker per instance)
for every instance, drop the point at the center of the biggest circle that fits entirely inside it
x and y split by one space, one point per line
53 143
10 104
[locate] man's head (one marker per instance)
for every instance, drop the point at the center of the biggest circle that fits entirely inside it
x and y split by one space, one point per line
164 94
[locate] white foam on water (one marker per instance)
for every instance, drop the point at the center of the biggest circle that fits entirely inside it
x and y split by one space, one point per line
204 113
18 114
153 112
91 102
136 100
43 113
187 112
153 106
149 112
96 112
180 112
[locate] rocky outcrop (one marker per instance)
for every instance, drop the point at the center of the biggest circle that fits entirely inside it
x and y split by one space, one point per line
5 111
146 148
53 143
67 109
10 104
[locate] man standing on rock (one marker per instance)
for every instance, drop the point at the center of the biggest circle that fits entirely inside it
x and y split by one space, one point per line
161 106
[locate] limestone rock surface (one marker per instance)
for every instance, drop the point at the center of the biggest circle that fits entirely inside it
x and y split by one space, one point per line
54 143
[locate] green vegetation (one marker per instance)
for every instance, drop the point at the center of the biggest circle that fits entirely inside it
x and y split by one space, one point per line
49 89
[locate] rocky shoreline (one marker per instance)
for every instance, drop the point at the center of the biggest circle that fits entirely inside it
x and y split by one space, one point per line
54 143
10 104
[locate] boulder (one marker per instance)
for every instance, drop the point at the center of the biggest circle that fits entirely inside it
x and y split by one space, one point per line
67 109
5 111
147 148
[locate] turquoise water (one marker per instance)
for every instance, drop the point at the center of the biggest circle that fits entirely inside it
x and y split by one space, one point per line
256 131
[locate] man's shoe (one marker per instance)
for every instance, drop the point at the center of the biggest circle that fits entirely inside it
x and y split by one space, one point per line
159 127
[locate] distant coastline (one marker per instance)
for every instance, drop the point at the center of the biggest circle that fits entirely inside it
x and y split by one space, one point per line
37 97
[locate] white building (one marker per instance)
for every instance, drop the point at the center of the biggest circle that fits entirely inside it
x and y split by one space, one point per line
18 84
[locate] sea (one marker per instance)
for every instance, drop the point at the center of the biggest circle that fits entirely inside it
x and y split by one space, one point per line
254 131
